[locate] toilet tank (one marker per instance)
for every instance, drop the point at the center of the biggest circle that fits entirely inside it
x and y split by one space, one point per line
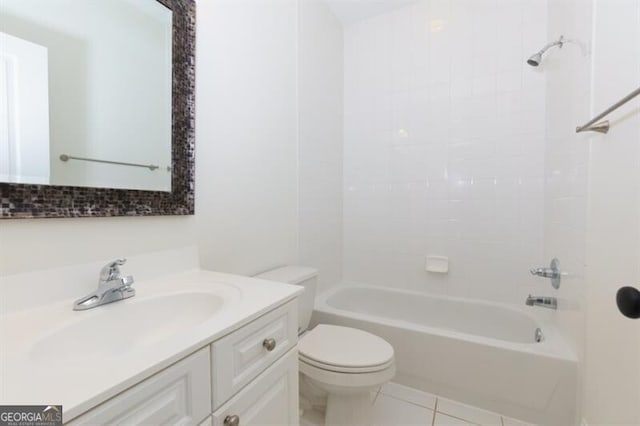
302 276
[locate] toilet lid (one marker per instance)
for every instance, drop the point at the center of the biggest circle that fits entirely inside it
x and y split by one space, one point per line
344 347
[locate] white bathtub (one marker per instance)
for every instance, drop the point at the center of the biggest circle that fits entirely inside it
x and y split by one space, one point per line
481 353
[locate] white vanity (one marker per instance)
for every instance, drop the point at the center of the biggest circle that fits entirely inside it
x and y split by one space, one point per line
192 347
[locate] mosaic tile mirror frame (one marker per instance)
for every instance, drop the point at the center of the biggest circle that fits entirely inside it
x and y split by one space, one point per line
44 201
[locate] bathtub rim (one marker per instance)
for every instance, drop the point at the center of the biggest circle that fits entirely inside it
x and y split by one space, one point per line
553 345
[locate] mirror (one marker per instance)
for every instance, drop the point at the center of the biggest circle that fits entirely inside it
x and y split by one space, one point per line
86 93
96 107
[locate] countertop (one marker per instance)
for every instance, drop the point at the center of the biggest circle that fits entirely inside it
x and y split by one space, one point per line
29 374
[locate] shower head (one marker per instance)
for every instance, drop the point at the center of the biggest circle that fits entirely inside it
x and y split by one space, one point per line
536 58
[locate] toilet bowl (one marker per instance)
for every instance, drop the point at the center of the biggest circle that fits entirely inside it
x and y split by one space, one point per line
347 364
343 363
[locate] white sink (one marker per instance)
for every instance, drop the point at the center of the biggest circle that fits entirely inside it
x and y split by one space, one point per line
112 330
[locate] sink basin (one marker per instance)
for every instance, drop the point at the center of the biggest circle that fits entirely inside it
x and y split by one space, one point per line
114 329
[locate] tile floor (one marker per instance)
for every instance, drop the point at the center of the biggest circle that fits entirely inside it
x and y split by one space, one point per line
396 405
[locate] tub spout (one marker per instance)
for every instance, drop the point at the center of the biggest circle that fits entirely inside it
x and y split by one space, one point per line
545 302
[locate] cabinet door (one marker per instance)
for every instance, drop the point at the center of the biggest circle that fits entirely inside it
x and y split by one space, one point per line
271 399
179 395
241 356
206 422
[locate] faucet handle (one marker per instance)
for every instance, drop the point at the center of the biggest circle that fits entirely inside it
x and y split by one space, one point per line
127 281
553 272
111 270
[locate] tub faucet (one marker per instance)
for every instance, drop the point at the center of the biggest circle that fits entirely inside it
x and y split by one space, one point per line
111 287
545 302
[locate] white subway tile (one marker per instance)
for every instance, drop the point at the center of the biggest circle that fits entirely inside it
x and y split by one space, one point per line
444 133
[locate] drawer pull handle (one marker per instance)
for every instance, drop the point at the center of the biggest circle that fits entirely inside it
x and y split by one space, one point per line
232 421
269 344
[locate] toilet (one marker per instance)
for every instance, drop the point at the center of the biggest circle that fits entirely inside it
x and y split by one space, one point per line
340 364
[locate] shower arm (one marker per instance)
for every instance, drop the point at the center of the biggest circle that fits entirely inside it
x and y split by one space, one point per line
560 42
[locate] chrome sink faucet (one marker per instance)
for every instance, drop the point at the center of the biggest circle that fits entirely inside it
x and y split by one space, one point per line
112 286
545 302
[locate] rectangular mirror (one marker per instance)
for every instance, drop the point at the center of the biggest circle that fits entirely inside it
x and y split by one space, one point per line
96 94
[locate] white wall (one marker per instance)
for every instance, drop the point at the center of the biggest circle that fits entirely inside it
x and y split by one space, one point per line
592 198
320 118
35 244
612 383
246 183
444 147
246 136
568 72
349 11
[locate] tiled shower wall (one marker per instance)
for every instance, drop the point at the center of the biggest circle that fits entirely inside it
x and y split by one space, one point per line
444 137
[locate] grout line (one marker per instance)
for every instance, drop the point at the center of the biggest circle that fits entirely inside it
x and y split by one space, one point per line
397 398
464 420
435 410
472 421
375 398
431 395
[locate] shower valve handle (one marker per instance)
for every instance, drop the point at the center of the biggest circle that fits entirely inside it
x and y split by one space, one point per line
545 272
553 272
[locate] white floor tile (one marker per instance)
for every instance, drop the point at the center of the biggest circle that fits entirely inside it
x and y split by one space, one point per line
374 394
397 405
513 422
388 411
468 413
444 420
409 394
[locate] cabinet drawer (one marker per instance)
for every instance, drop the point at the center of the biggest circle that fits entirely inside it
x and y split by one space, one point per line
239 357
179 395
272 399
207 422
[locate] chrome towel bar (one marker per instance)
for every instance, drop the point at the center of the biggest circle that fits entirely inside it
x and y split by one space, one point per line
595 125
65 157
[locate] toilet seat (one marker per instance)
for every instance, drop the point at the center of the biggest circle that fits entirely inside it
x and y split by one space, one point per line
344 350
347 382
342 369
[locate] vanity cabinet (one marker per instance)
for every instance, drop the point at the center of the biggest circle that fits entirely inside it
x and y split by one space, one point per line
248 377
179 395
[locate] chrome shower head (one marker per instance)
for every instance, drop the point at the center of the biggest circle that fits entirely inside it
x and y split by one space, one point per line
536 58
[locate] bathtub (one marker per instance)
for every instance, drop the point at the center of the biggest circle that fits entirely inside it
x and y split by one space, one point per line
481 353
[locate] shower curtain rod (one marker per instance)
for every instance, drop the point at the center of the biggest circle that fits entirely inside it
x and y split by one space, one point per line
603 126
